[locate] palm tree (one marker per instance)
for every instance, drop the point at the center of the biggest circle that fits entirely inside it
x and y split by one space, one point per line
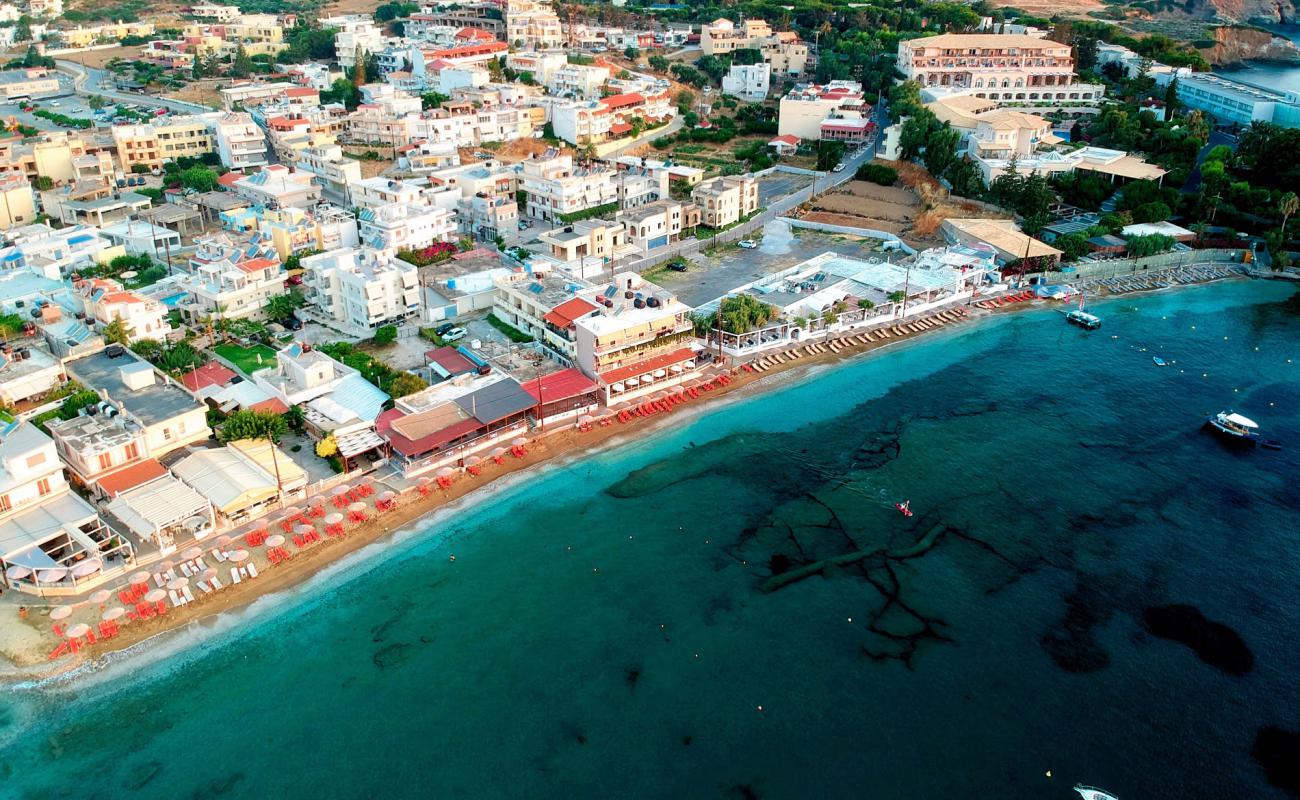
1288 205
248 424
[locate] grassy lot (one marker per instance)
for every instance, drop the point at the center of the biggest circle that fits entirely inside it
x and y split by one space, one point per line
245 358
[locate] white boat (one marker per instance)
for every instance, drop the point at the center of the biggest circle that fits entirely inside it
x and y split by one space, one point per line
1093 793
1083 319
1234 425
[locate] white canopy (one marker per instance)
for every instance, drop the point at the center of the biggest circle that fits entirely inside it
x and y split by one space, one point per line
1237 419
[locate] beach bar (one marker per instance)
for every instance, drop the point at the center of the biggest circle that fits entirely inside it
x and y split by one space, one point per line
164 511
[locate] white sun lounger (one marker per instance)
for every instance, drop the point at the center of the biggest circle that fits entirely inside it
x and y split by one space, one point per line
234 575
204 587
177 600
158 579
185 569
252 570
189 596
216 584
218 555
200 565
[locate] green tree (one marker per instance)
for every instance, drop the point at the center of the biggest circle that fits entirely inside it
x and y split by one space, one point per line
905 100
1152 212
941 149
117 332
658 63
10 325
685 100
915 133
829 154
280 307
1286 206
200 179
1171 99
241 66
433 100
23 29
1073 245
632 53
96 101
248 424
359 68
385 334
405 383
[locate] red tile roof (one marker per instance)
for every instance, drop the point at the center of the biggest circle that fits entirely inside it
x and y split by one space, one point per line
649 365
788 138
271 405
563 315
451 360
485 48
619 128
131 477
301 91
425 444
210 374
560 385
254 264
620 100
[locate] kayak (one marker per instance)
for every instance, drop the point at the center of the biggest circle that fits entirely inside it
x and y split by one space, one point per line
1160 362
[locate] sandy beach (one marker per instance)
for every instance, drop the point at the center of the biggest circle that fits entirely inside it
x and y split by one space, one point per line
27 643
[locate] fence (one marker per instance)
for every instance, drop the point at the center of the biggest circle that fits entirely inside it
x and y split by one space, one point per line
1098 270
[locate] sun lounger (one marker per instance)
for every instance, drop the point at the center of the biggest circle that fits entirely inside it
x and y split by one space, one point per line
170 575
216 584
158 580
218 555
176 599
252 570
200 564
189 596
204 587
234 575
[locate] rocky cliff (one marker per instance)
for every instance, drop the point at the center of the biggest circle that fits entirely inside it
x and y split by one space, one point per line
1264 12
1235 45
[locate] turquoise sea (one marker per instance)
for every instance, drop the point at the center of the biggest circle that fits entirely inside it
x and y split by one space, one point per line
609 628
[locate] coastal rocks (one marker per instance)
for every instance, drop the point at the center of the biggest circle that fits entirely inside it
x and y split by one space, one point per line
1277 750
393 655
1233 45
1072 644
1214 643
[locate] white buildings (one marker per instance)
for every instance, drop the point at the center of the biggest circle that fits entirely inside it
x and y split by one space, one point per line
1231 102
781 49
807 106
748 81
380 191
277 187
27 373
541 65
406 226
1009 68
334 172
302 374
725 200
54 253
355 33
51 541
532 25
554 187
612 117
240 143
227 284
577 80
659 223
361 287
105 301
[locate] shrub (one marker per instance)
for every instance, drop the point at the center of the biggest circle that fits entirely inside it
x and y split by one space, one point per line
877 173
385 334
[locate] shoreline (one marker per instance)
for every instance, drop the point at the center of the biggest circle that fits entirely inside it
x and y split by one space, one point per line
414 512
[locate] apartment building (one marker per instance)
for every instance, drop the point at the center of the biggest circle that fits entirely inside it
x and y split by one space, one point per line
533 25
257 34
362 287
293 230
52 155
806 106
596 121
555 187
641 335
381 191
589 240
334 172
783 50
215 12
153 144
105 34
660 223
749 82
17 201
423 156
355 32
542 66
241 144
577 80
986 60
46 526
482 16
1229 101
725 200
406 226
105 300
277 186
226 282
544 306
487 216
638 186
29 83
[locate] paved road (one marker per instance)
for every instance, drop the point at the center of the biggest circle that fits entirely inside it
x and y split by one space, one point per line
1193 182
88 81
648 136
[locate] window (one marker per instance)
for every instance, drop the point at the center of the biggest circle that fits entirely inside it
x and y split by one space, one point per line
43 486
132 451
35 460
167 434
5 505
105 460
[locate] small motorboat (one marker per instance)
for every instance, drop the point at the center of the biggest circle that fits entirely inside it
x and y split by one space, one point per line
1160 362
1083 319
1271 444
904 508
1093 793
1235 427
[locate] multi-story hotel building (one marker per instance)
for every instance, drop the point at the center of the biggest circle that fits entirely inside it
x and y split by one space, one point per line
362 287
166 140
555 187
1003 67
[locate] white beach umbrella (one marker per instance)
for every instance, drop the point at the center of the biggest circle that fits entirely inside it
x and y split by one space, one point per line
77 631
52 575
100 597
88 567
116 612
238 556
60 612
17 572
156 596
178 584
275 541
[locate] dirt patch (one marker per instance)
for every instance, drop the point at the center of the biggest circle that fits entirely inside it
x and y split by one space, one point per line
201 92
1051 8
98 58
511 152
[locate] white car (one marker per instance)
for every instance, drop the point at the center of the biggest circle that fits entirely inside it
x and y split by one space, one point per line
838 167
748 244
455 334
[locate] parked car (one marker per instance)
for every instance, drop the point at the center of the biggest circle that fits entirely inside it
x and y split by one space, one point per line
454 335
523 226
838 167
442 329
677 266
293 324
748 244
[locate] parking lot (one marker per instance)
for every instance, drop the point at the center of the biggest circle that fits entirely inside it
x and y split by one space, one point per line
709 277
774 186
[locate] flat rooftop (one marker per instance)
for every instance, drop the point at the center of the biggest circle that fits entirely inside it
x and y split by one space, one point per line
152 404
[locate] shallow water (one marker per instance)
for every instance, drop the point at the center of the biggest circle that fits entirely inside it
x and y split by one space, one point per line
604 629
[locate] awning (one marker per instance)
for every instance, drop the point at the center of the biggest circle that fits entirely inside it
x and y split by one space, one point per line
131 477
358 442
